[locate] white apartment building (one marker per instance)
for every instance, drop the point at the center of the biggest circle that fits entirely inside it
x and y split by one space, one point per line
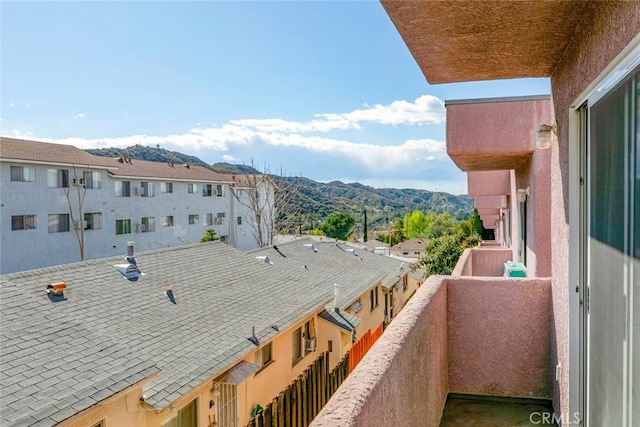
55 199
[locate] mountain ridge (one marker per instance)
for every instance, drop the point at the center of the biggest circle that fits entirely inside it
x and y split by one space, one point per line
319 199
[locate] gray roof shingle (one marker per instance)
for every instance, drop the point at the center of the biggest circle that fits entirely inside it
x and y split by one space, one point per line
111 333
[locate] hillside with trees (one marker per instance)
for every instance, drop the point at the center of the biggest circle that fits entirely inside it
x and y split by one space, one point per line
317 200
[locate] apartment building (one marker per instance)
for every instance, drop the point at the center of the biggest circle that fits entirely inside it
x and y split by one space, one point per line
195 335
60 204
557 179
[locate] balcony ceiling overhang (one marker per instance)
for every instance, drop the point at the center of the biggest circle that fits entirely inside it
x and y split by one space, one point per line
457 41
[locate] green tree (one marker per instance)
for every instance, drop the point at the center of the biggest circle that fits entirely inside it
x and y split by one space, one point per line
476 223
441 225
316 232
416 224
209 236
396 235
338 225
442 253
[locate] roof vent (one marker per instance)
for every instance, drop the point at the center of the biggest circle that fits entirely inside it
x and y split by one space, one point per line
351 251
169 293
265 259
275 328
254 340
55 291
311 247
129 270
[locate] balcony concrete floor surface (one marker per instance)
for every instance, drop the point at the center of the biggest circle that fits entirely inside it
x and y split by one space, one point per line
476 411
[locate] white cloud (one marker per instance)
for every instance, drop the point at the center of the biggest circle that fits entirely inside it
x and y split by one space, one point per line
12 104
426 109
229 158
79 116
26 105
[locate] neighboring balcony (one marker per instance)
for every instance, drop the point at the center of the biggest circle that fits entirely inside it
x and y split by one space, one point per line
496 133
464 347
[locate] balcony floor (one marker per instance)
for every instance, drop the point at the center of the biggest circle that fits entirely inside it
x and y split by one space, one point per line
461 410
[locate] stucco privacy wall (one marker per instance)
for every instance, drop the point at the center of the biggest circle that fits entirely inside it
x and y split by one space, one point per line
402 381
498 336
606 28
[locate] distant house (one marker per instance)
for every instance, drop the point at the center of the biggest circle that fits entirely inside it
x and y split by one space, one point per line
413 248
157 204
207 334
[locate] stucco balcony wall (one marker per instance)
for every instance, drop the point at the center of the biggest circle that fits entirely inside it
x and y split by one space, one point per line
489 183
482 261
485 336
480 138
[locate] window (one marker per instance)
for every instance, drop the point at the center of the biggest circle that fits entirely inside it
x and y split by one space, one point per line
92 180
148 189
264 356
239 220
373 297
220 217
405 252
23 173
98 424
194 219
92 221
187 416
167 221
192 188
296 346
309 336
23 222
58 223
123 226
166 187
123 189
148 224
57 178
207 190
405 283
220 190
208 219
416 252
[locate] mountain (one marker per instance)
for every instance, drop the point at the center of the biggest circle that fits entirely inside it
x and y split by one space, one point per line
318 199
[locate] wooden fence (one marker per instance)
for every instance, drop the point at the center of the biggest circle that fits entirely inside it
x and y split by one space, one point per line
360 348
303 399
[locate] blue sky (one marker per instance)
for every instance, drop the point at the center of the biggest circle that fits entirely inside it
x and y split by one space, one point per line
327 90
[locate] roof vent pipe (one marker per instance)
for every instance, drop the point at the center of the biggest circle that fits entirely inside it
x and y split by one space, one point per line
336 297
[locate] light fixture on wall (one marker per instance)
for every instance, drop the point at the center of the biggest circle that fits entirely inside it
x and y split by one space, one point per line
543 138
522 194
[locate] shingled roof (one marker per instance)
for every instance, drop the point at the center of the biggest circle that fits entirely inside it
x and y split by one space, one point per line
22 150
110 333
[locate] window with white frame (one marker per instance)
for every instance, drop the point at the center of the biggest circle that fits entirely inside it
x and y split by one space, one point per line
221 217
148 189
148 224
23 173
58 223
123 188
167 221
194 219
166 187
23 222
187 416
296 346
192 188
264 355
92 220
207 190
57 178
123 226
92 180
221 190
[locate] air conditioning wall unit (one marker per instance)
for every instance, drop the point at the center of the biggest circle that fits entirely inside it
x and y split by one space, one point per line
78 224
137 191
77 181
139 228
310 344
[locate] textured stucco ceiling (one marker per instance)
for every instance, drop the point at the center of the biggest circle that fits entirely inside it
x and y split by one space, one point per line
455 41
